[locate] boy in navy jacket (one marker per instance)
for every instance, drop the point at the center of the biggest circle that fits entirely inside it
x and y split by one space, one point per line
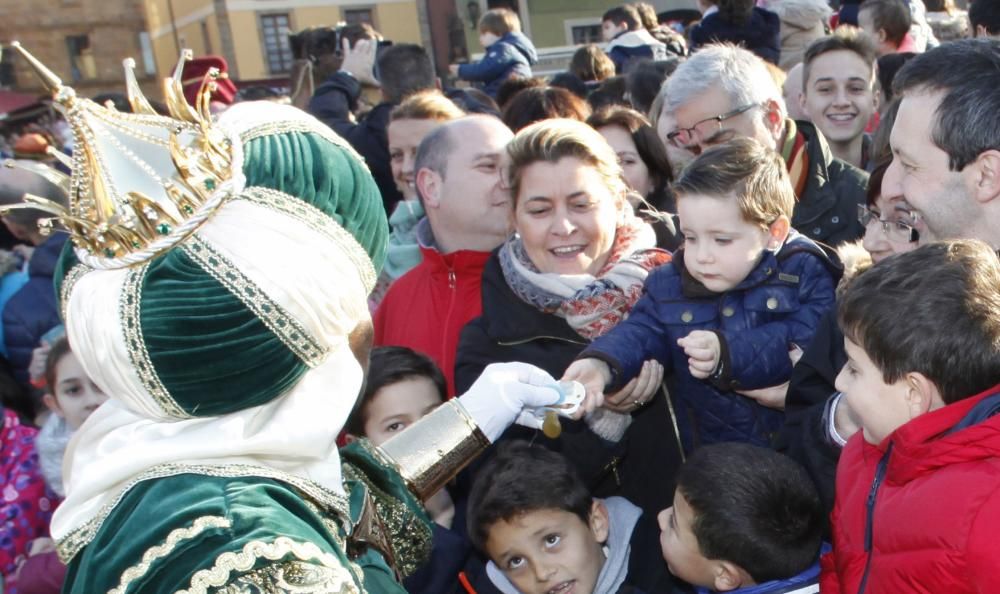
509 54
728 314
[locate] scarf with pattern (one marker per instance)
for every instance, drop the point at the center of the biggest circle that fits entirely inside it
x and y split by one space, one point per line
591 305
793 151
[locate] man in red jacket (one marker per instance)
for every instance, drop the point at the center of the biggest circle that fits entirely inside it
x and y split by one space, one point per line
918 489
468 214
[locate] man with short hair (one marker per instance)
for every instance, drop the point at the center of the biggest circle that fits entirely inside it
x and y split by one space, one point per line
403 69
888 23
946 141
838 92
468 211
724 91
984 18
627 40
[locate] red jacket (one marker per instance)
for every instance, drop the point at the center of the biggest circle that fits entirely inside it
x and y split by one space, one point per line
936 512
426 308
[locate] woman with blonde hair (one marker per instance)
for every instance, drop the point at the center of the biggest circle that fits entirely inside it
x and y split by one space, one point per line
573 270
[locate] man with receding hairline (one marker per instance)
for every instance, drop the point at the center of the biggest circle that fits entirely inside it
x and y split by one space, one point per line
468 209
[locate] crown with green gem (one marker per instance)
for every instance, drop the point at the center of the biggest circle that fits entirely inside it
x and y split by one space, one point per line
141 182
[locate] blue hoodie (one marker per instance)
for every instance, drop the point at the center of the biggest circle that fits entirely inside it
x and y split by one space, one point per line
510 56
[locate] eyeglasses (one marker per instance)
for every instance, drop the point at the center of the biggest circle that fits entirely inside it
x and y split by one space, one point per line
688 137
897 231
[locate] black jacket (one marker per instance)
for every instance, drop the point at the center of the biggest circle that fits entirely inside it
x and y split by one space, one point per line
827 211
333 103
804 435
641 467
761 34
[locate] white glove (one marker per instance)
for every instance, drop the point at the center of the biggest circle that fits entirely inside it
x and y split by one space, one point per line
508 393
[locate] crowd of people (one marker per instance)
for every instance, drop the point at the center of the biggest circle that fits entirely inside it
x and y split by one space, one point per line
715 310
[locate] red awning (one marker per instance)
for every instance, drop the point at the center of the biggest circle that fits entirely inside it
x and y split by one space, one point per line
11 101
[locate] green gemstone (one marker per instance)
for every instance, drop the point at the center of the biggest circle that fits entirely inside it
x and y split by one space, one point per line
188 209
210 184
163 228
136 245
110 253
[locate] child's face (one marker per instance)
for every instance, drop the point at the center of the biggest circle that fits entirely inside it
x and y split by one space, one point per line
487 39
880 408
609 30
74 396
680 547
399 405
720 248
550 551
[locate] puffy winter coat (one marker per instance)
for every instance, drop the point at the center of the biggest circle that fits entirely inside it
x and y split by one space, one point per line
426 308
33 310
760 34
777 306
927 500
634 45
641 467
511 56
802 22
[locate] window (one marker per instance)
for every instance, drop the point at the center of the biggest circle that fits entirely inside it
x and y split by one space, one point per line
81 58
581 34
356 16
8 77
276 47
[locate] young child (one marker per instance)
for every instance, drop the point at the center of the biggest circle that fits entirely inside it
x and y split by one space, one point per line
918 493
728 313
745 520
402 386
71 396
532 516
508 53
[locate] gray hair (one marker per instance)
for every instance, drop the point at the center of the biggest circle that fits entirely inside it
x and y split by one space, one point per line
741 74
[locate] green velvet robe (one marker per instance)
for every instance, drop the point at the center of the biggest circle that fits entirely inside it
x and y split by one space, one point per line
193 532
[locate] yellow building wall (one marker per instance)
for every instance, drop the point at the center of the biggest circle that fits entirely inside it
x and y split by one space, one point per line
247 44
398 21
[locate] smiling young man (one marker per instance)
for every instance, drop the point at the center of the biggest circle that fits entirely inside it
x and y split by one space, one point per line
838 92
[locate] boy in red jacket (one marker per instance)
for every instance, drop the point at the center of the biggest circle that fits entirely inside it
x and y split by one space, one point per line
918 488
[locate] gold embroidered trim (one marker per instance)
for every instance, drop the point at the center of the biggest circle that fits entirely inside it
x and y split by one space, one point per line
290 577
137 571
338 578
81 536
410 537
318 221
268 311
70 279
129 311
307 126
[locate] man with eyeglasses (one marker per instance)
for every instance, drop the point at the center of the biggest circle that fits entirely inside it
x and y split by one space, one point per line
723 92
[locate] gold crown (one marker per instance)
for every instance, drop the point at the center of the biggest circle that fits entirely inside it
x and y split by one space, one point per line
141 182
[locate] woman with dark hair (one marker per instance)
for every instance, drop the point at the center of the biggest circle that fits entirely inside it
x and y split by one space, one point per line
647 171
543 103
739 22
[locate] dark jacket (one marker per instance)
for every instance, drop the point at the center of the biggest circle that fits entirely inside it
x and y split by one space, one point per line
761 34
333 103
777 306
641 467
33 310
511 56
634 45
827 211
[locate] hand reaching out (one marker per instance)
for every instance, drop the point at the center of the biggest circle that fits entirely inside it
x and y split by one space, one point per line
637 392
594 374
703 350
360 60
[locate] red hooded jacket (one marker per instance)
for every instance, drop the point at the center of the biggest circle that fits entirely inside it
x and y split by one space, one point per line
426 308
928 500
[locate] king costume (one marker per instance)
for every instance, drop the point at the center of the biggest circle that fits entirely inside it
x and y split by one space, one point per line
216 288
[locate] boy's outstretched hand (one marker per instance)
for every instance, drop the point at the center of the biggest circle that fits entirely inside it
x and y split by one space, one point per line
703 350
594 374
